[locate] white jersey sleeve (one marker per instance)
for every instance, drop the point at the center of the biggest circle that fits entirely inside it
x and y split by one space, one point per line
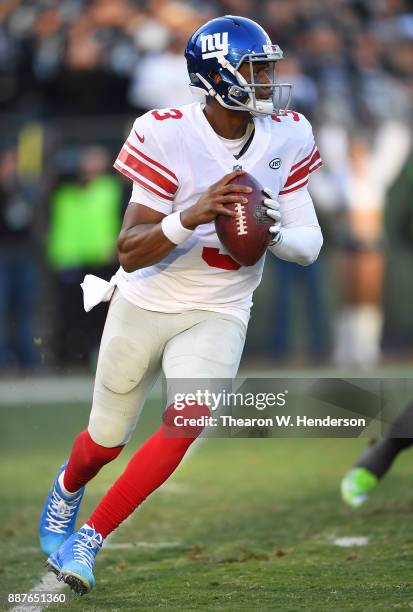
143 160
306 161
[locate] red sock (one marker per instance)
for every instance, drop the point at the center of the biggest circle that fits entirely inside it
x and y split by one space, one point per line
150 466
85 461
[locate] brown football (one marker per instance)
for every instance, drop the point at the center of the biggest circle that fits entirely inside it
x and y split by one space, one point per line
247 237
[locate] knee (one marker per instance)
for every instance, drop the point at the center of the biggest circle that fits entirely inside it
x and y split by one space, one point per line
187 422
122 365
109 432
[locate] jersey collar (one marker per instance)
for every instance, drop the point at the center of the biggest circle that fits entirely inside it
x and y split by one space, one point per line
219 151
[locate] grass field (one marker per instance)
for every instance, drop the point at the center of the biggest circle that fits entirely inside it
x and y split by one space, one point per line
243 525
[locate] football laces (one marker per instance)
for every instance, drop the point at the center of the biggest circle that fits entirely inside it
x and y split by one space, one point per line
241 219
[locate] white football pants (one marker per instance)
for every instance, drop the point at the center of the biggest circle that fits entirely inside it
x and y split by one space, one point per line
136 344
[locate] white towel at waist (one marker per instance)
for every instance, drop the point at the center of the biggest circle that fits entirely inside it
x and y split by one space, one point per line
96 290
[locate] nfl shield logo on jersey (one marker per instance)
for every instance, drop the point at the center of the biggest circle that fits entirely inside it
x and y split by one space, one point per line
214 44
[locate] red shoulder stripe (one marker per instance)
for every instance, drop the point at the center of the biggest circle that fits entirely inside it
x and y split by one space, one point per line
152 161
301 173
294 188
316 166
303 160
301 181
146 172
141 182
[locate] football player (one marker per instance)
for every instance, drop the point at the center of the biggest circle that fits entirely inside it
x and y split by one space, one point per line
376 460
181 303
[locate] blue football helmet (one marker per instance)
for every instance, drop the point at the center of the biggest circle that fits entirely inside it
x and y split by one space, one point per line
214 54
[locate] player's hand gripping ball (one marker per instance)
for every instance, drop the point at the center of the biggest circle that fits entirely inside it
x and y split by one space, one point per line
247 236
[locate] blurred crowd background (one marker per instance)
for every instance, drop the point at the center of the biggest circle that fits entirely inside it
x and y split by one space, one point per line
73 76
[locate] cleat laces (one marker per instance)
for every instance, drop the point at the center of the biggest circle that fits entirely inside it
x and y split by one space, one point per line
86 547
60 512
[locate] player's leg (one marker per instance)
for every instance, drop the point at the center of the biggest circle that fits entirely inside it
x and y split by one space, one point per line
129 361
212 348
377 459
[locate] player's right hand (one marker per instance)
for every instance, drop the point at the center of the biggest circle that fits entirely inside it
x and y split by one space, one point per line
211 203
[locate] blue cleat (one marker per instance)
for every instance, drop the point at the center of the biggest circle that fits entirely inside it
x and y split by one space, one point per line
74 561
57 521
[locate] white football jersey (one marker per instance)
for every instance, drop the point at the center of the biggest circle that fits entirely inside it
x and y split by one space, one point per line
173 156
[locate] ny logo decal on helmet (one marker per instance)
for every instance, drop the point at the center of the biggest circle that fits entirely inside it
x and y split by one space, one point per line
214 44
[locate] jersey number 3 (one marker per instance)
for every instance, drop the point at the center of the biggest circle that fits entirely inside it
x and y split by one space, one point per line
215 259
172 113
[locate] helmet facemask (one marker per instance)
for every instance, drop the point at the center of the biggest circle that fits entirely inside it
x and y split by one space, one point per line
242 92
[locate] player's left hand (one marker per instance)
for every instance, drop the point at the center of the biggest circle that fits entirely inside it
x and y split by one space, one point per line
273 211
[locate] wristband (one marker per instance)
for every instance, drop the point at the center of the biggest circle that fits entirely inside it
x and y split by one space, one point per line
173 228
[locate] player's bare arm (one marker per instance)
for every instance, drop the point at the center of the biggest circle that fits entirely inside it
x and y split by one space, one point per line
142 241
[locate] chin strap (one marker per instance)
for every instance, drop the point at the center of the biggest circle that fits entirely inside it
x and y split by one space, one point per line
214 94
262 107
211 90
